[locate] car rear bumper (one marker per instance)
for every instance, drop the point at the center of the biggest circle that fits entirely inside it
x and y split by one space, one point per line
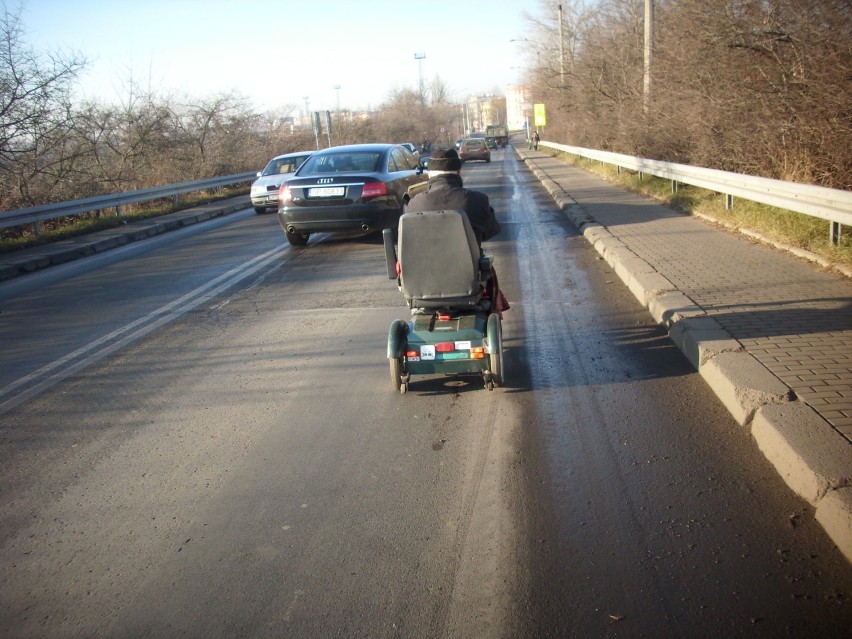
314 219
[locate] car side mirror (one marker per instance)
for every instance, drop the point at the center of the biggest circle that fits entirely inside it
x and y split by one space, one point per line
259 173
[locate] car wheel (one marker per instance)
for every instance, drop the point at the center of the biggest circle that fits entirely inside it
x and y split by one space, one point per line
297 238
488 160
260 209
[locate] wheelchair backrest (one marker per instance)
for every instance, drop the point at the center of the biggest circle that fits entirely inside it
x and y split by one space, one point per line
439 259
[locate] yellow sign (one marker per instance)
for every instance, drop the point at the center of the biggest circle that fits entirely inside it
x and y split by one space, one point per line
540 117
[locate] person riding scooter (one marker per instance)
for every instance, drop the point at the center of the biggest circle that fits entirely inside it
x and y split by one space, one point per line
446 192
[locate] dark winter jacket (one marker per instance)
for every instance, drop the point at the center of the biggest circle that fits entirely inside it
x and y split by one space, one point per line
446 193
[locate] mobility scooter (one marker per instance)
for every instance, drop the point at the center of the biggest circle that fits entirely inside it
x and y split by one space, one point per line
444 278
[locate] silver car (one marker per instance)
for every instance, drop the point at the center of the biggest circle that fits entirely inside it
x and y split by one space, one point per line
264 190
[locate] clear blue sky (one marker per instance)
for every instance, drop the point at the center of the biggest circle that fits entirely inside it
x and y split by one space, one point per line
277 52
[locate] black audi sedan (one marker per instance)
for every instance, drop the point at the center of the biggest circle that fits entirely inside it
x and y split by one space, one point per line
361 187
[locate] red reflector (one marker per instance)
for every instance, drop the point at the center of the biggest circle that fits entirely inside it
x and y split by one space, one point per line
445 347
374 189
412 354
444 318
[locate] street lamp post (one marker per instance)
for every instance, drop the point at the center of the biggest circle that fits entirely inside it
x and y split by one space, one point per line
420 57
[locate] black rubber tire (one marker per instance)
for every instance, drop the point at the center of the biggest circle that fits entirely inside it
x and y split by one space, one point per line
260 210
396 375
297 239
495 360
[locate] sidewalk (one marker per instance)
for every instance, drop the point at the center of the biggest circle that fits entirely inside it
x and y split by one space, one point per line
770 333
39 257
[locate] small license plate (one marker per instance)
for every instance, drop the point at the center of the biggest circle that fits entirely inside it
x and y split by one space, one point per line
327 191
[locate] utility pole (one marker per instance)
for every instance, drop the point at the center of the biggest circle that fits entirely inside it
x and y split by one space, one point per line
649 51
337 111
561 51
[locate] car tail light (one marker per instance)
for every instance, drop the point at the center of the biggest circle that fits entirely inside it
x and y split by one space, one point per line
284 194
374 189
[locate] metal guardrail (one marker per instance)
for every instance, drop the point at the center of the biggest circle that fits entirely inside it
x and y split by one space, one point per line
834 205
36 214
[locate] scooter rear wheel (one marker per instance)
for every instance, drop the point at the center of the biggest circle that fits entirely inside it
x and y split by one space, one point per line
396 375
495 339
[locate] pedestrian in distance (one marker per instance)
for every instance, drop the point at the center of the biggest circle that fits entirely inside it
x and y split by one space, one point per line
536 140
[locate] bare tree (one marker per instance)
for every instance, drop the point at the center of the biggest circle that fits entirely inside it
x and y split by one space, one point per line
34 107
756 86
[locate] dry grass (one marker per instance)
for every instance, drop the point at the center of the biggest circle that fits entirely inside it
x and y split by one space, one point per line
775 225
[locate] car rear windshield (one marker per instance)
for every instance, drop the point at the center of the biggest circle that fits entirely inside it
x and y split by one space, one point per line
474 144
353 162
284 165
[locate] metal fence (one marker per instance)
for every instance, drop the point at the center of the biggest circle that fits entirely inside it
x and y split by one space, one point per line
36 214
833 205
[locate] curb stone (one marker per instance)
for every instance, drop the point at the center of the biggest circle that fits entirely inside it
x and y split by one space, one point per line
28 261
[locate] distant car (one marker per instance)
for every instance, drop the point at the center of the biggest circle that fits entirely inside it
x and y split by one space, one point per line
360 187
474 149
264 190
491 141
410 146
458 143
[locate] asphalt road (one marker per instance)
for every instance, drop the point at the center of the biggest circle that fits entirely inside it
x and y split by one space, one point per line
200 439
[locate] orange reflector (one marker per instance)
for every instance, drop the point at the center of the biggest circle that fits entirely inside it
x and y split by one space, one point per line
477 349
412 353
477 356
445 347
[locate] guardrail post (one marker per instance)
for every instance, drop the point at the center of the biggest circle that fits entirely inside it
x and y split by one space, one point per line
37 228
118 210
729 201
674 186
618 169
834 233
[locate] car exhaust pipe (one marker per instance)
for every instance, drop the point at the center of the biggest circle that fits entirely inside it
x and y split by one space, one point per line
291 229
365 227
